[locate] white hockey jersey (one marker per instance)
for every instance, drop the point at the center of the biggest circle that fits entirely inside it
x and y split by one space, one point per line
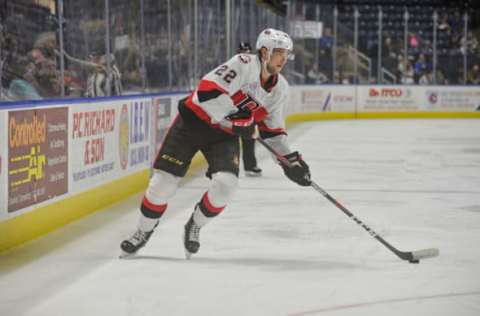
237 84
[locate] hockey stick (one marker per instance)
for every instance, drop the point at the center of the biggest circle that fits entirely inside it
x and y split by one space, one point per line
410 256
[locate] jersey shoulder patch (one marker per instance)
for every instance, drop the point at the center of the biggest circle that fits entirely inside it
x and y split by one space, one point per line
244 58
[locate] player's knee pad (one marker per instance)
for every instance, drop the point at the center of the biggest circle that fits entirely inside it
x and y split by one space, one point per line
162 187
222 188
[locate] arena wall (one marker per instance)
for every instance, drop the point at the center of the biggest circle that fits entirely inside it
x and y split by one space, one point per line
63 159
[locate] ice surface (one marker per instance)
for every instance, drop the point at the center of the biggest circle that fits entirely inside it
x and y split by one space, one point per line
281 249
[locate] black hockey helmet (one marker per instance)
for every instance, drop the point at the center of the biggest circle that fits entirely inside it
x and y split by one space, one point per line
244 47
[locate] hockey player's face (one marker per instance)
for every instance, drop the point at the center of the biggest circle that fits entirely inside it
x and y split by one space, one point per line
277 61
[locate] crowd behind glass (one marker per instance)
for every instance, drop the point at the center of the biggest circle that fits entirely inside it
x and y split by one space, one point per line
100 48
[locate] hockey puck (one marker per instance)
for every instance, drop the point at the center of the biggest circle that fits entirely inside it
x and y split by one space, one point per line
414 261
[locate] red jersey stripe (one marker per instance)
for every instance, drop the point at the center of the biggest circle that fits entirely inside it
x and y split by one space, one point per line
238 97
207 85
198 110
201 114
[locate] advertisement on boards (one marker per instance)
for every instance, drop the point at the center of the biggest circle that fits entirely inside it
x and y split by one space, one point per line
388 99
326 99
92 139
161 118
451 99
109 140
37 156
3 168
136 120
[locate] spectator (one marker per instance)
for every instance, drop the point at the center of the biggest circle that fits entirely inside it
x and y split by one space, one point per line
438 79
388 50
314 76
456 22
425 78
473 76
12 68
325 60
129 60
427 48
470 42
47 43
413 41
390 61
42 74
407 74
441 79
336 77
98 80
341 78
408 77
400 67
421 66
443 26
326 41
21 90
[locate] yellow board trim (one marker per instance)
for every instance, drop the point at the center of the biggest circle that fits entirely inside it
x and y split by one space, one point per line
316 116
45 219
33 224
38 222
417 115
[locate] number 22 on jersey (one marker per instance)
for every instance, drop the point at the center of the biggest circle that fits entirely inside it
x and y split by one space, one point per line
227 74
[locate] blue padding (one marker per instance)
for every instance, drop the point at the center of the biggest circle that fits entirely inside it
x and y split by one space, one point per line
43 102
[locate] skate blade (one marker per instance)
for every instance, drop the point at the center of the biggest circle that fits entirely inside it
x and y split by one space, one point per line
188 254
253 174
126 255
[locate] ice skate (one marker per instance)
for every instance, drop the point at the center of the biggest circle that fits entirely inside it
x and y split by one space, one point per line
133 244
191 238
253 172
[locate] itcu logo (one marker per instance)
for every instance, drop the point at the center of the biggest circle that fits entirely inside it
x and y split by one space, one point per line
433 98
386 92
390 92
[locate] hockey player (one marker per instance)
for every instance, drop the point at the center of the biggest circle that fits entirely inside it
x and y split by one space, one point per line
248 144
228 102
